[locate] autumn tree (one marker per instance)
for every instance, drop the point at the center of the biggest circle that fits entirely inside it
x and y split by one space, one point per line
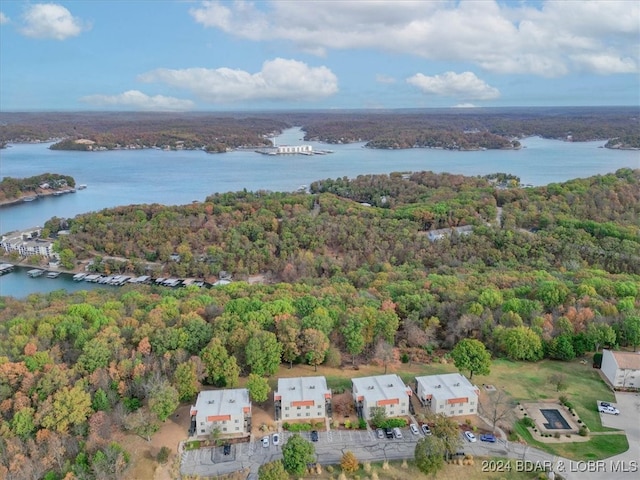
471 354
349 463
385 353
288 332
186 381
71 406
315 345
446 429
497 407
272 471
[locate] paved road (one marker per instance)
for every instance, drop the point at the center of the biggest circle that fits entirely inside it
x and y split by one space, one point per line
368 448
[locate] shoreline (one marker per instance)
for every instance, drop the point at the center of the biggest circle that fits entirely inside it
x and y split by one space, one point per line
38 194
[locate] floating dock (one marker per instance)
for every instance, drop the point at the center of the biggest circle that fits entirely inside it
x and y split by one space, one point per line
36 272
6 268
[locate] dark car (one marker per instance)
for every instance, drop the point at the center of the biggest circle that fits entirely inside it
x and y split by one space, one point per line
488 437
388 433
226 449
314 436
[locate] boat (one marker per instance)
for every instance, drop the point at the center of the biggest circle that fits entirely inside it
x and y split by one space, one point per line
36 272
53 274
29 199
79 276
82 186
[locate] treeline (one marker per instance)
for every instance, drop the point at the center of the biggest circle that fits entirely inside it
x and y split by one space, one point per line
12 188
460 129
339 228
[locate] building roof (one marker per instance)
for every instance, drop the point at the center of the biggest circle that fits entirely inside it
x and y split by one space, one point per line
450 385
298 389
222 402
381 387
627 360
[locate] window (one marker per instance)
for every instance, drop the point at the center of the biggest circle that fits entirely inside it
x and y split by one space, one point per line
201 423
224 429
202 430
308 414
472 402
308 407
286 408
460 411
237 421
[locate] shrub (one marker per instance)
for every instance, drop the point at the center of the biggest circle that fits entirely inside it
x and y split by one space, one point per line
362 424
584 431
163 455
404 358
528 422
556 435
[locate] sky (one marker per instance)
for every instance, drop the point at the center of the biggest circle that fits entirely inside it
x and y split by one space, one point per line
187 55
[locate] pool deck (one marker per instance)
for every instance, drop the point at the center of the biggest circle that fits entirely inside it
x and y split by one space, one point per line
533 411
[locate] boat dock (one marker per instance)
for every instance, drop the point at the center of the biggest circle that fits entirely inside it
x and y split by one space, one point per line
36 272
53 274
6 268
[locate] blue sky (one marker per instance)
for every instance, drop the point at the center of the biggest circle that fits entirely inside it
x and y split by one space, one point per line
181 55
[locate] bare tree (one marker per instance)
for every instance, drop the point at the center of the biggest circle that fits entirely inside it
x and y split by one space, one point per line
497 407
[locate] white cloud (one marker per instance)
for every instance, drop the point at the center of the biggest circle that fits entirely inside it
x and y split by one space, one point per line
381 78
49 20
139 101
550 39
464 105
463 85
3 19
279 79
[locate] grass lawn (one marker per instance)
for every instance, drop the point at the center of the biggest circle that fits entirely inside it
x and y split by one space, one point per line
598 448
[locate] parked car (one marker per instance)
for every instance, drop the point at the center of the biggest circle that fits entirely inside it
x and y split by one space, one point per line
425 429
388 432
488 437
314 435
610 410
275 439
414 429
380 433
265 441
397 433
470 436
226 449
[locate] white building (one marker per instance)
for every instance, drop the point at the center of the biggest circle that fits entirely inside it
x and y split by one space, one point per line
387 391
228 410
27 244
302 398
622 369
285 149
450 394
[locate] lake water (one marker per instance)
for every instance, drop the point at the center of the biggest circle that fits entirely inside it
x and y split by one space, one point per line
124 177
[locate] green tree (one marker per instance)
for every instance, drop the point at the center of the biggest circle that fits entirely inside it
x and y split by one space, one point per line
296 454
100 401
163 399
221 369
490 297
353 337
471 354
520 343
258 388
315 346
186 380
67 258
600 334
561 348
447 430
22 423
71 406
429 454
263 353
288 333
272 471
631 330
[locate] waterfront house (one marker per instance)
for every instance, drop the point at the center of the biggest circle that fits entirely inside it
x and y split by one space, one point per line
386 391
450 394
302 398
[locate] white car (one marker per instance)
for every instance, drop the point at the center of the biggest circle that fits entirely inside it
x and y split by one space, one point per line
610 410
275 439
414 429
265 441
397 432
470 436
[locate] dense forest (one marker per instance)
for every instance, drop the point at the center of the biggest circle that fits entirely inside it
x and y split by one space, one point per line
459 129
13 188
546 272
